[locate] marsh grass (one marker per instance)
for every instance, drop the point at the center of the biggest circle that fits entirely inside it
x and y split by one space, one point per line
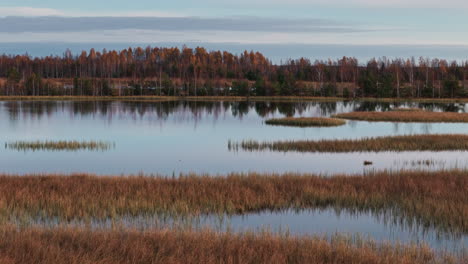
410 109
41 246
436 199
306 122
406 116
59 145
378 144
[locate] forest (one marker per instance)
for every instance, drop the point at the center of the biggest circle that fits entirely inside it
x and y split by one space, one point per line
199 72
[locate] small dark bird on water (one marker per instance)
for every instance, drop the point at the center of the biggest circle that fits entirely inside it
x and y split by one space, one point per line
367 163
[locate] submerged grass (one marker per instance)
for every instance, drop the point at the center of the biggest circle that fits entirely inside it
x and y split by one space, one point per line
306 121
378 144
407 116
42 246
435 199
59 145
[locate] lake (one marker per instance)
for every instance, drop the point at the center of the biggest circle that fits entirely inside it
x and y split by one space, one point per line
168 138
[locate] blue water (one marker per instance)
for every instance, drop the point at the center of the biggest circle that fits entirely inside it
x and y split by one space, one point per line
179 137
382 227
168 138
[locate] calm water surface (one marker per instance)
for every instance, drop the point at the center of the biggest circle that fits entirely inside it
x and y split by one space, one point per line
175 137
168 138
383 227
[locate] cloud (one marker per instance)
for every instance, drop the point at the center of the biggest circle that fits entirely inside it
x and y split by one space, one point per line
42 12
342 3
29 11
242 37
78 24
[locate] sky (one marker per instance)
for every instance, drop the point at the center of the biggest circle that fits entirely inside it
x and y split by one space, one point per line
416 23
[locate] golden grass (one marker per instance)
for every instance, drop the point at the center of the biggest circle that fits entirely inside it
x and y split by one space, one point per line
306 122
59 145
438 142
407 116
77 246
410 109
435 199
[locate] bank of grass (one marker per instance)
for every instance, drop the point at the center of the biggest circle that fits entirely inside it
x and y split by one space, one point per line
306 122
438 142
90 98
59 145
406 116
409 109
44 246
436 199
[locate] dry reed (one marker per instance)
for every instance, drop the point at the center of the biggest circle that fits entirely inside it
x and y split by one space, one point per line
406 116
433 198
59 145
410 109
41 246
306 122
390 143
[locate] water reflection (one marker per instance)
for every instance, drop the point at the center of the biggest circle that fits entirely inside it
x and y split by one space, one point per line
42 109
326 222
181 136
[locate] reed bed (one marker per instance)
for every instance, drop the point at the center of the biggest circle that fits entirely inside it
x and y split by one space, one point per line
306 122
438 142
436 199
406 116
41 246
410 109
59 145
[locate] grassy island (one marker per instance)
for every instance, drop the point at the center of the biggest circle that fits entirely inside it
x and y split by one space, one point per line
410 115
306 122
438 142
59 145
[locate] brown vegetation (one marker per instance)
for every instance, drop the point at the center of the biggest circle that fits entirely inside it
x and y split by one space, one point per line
306 122
378 144
407 116
41 246
59 145
435 198
404 109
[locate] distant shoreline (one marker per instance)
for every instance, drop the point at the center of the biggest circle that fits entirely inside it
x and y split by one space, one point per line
230 98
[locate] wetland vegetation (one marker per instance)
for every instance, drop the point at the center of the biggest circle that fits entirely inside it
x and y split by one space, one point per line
61 245
406 116
377 144
306 121
433 198
62 145
69 212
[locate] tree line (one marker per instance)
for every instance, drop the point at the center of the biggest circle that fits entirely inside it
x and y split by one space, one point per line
198 72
